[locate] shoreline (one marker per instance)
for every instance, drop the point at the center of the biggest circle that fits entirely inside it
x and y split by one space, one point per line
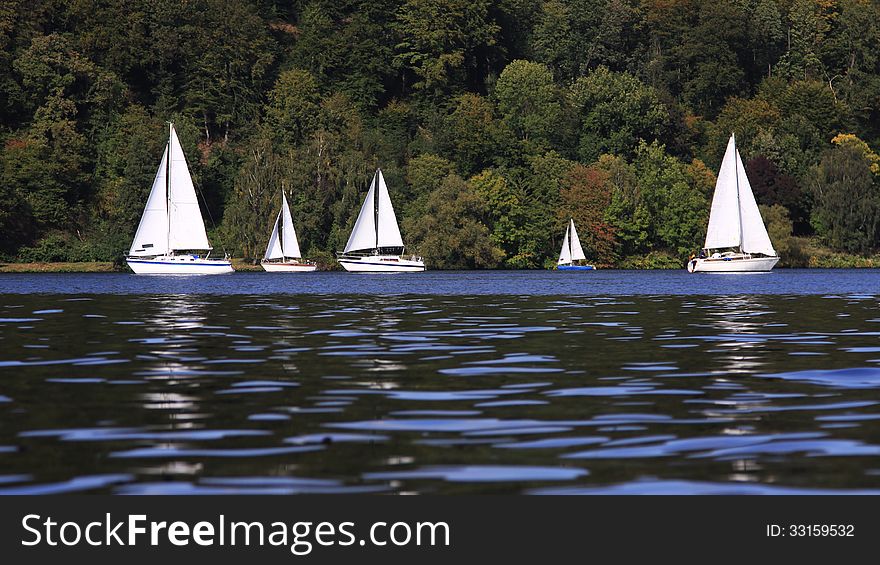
243 266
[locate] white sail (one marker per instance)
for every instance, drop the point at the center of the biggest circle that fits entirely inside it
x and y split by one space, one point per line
755 238
577 252
388 230
151 237
376 225
288 234
186 228
363 236
565 253
724 224
274 250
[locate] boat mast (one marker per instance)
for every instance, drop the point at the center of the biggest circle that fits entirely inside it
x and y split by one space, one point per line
280 222
736 176
168 189
376 205
570 235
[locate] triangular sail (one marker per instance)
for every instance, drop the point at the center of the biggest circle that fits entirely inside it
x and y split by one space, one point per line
151 237
755 238
288 234
388 230
577 252
274 250
724 222
186 228
376 225
565 253
363 236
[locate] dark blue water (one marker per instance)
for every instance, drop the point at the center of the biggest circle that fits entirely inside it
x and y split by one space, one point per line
526 283
496 382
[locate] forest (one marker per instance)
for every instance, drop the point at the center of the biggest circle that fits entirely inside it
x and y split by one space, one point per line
493 122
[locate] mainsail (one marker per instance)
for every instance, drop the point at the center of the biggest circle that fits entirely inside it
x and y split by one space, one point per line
376 225
565 254
172 219
734 220
274 250
186 228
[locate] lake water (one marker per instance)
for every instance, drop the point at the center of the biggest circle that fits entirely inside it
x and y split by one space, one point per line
488 382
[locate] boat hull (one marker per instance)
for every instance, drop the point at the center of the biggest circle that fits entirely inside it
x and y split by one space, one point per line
381 264
575 268
289 267
179 265
743 264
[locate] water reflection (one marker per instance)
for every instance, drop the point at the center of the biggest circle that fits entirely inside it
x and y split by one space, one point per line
285 394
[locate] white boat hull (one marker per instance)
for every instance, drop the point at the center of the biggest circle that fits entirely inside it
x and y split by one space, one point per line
289 267
381 264
739 264
179 265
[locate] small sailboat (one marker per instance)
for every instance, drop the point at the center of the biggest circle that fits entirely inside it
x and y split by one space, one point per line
572 251
736 239
282 253
375 245
172 222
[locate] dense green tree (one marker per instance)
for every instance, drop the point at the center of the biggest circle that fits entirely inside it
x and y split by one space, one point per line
349 46
846 214
249 215
530 102
49 166
808 26
52 73
696 48
746 118
449 232
444 43
772 187
616 110
425 173
507 214
627 212
128 155
553 40
779 227
470 134
659 203
585 195
292 111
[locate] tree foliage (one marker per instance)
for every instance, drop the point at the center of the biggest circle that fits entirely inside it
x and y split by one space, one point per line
493 122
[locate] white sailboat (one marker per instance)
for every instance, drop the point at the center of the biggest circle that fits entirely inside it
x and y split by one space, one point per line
172 222
572 251
736 239
282 253
375 245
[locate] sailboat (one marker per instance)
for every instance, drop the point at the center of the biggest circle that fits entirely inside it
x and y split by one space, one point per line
172 222
280 248
736 239
572 251
375 245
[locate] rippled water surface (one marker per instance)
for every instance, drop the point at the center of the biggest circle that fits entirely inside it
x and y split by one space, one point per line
608 382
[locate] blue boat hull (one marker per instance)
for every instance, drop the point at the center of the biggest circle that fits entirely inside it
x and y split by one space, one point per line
575 268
